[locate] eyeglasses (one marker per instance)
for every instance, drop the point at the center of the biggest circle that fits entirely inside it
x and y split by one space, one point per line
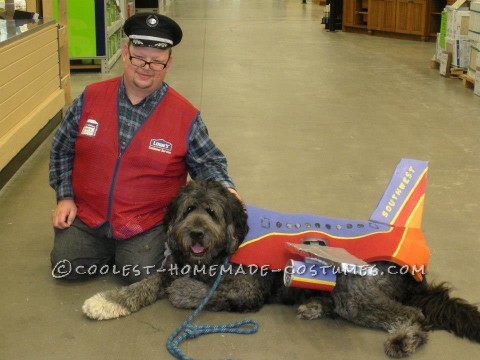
154 65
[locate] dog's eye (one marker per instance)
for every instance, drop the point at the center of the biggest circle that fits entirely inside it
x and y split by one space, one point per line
190 209
211 212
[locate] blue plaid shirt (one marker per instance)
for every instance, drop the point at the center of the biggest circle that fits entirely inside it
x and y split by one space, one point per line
203 159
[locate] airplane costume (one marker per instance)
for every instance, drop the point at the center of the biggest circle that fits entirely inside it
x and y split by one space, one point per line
392 234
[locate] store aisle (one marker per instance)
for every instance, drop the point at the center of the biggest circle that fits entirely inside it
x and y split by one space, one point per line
311 122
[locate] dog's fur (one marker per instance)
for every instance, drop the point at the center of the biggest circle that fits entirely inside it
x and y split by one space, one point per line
205 223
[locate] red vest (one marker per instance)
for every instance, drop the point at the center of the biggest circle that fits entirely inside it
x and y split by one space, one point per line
131 189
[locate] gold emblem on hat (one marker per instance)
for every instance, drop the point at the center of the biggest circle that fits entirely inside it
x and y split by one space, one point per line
152 21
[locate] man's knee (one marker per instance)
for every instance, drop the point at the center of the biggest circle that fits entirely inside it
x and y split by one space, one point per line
64 268
76 269
73 258
61 263
141 256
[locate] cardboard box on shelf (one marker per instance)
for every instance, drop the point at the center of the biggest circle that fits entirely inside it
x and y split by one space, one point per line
474 23
460 50
474 58
457 22
476 87
439 49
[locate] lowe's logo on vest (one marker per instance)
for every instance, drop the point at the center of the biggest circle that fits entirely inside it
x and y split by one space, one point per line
161 145
90 128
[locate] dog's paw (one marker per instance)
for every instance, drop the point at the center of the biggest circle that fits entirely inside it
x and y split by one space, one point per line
99 307
310 311
404 341
187 293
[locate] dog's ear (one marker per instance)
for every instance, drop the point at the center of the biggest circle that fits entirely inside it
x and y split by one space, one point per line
237 227
168 221
170 217
178 202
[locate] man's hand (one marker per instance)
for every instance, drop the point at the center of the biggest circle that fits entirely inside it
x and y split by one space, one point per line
64 214
234 192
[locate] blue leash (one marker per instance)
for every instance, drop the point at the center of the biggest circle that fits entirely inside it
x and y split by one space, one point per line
192 331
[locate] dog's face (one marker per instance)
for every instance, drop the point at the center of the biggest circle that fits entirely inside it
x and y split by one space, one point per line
204 223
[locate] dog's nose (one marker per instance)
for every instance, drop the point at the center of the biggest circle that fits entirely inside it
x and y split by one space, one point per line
196 235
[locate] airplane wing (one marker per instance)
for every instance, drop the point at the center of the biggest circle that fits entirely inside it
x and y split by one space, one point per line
335 257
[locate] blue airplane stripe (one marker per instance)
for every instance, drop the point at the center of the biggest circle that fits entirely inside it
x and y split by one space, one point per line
263 222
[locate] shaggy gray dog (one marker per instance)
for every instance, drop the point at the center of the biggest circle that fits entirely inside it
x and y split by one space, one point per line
205 224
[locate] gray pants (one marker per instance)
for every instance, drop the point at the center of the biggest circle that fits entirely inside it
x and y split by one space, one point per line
80 251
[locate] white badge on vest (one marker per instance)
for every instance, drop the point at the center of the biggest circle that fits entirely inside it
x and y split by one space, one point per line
161 145
90 128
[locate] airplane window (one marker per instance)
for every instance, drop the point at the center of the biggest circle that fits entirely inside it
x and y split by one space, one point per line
297 225
317 225
279 224
339 227
307 225
349 226
266 223
328 226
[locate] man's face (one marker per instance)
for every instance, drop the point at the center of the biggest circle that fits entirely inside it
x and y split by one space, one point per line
144 78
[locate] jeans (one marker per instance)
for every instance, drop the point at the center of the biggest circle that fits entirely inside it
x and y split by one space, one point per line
80 252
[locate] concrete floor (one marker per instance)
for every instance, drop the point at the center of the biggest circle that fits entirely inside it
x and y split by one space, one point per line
312 122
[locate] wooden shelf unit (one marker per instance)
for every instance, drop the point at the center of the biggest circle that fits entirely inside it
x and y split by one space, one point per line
404 17
435 13
355 13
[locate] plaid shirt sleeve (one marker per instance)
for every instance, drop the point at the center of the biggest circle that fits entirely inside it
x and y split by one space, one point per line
63 151
204 159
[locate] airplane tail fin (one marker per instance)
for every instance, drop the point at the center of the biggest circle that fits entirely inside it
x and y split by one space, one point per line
402 202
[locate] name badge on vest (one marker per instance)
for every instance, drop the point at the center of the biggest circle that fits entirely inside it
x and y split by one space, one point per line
160 145
90 128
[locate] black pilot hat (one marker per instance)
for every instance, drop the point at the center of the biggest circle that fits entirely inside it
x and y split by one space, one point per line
152 30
